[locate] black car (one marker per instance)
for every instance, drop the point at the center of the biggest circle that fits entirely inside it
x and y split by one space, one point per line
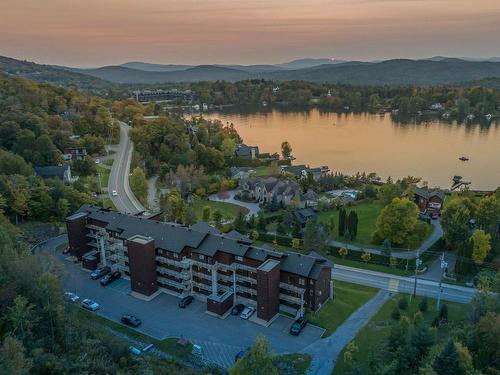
100 272
131 320
186 301
110 277
297 326
237 309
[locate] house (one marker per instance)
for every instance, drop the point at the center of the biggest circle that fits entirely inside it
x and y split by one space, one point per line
246 152
220 270
301 171
74 153
429 200
241 172
305 214
285 191
62 172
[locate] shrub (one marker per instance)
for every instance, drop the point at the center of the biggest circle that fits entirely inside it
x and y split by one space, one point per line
423 305
403 303
396 315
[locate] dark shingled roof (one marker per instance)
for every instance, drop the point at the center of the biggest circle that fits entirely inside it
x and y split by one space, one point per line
51 171
202 240
424 193
203 226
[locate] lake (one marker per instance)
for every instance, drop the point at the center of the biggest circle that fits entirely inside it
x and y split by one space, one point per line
350 143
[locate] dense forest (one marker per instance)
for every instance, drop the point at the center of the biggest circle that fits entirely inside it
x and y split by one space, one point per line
37 122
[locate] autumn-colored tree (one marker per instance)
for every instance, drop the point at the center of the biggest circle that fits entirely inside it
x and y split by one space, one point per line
480 245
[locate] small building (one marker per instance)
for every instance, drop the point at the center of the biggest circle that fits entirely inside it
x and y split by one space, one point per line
246 152
304 214
62 172
427 200
75 153
302 171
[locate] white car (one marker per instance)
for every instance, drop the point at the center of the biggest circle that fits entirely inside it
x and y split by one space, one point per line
97 161
69 296
90 305
247 312
114 193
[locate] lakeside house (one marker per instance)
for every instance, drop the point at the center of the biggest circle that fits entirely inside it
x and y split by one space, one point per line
241 172
62 172
302 171
286 192
427 200
246 152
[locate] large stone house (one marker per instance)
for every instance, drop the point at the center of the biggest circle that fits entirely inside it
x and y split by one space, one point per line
246 152
427 200
263 190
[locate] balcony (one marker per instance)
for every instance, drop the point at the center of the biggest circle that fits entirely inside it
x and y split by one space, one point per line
244 289
173 283
202 286
225 277
246 279
292 288
244 267
290 298
202 276
173 273
173 262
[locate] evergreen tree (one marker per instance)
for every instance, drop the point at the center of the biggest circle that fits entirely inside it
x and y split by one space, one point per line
239 222
446 363
423 305
342 221
352 224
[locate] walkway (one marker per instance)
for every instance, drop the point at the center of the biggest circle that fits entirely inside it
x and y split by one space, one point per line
436 234
228 197
153 201
326 351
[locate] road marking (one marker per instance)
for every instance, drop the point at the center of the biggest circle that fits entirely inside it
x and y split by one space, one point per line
393 285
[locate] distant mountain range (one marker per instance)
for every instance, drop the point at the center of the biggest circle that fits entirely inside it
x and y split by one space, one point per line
437 70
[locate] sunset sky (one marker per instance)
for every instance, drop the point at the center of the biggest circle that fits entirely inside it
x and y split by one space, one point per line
104 32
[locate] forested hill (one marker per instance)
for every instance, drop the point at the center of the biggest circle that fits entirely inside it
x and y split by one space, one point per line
390 72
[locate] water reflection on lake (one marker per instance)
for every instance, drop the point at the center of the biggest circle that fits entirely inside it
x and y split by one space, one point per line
365 142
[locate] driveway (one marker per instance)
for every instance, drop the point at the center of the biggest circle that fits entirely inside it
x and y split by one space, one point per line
228 197
221 339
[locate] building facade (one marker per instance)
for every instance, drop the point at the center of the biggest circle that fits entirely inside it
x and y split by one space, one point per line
220 269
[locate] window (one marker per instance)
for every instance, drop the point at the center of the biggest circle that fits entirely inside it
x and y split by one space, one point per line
176 255
239 259
302 282
319 292
202 257
311 282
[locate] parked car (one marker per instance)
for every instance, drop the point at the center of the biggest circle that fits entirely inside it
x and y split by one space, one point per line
72 297
66 250
131 320
100 272
247 312
97 161
298 326
114 193
435 216
237 309
90 305
135 351
186 301
110 277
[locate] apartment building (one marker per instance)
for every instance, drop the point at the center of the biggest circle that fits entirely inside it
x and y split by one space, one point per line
221 269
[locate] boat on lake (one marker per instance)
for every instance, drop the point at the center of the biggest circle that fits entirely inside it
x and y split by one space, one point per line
463 158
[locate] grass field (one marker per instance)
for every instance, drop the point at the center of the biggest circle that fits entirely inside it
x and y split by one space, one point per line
104 176
263 171
348 298
228 210
368 212
375 332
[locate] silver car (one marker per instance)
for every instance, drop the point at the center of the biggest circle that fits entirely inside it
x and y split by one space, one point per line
247 312
90 305
72 297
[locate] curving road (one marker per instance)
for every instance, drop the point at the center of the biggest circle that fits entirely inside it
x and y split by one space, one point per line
125 201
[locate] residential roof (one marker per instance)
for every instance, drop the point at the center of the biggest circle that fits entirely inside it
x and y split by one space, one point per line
304 214
424 193
244 150
56 171
200 237
203 226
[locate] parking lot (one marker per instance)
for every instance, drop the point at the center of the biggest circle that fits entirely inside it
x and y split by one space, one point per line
220 339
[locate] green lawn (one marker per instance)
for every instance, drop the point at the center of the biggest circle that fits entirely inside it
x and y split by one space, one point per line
348 298
108 162
367 211
104 175
378 328
263 171
167 345
228 210
299 362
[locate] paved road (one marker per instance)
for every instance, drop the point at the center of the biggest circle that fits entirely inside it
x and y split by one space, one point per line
228 197
436 234
125 202
326 351
400 284
434 271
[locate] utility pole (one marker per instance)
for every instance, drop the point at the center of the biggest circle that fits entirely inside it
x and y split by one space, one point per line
418 262
443 267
